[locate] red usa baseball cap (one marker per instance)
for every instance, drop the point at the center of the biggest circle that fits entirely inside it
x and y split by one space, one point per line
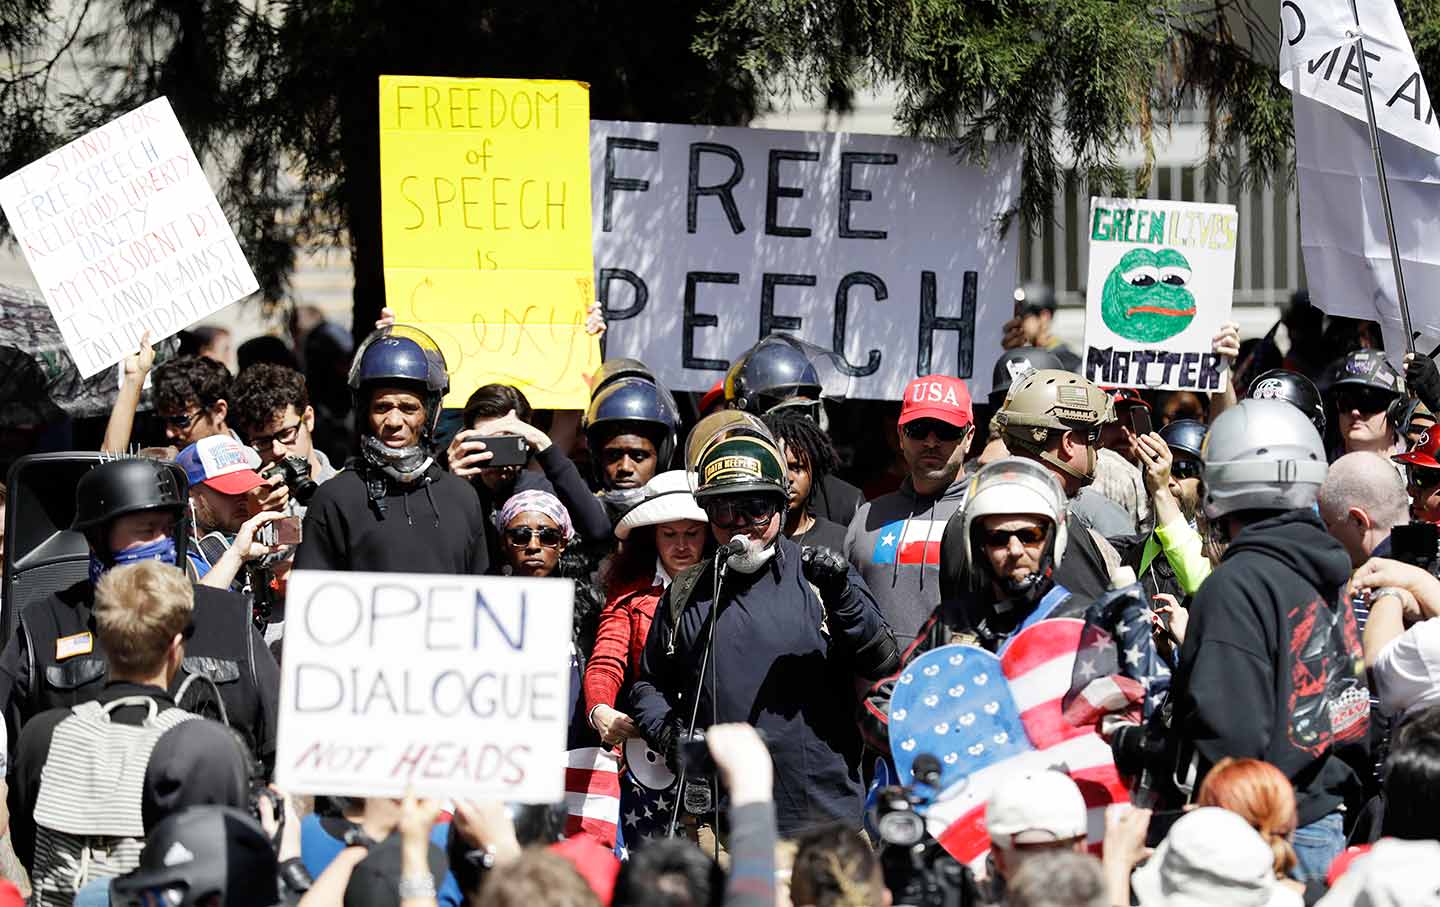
937 397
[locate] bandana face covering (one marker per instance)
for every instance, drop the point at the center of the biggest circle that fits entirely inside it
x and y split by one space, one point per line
162 550
755 555
403 464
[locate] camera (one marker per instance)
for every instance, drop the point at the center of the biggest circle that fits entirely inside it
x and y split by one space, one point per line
918 872
295 471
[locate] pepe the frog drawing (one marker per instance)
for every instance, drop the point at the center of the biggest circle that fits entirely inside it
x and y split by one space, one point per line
1146 297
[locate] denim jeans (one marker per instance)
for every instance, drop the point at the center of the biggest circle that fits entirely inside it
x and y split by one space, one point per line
1317 845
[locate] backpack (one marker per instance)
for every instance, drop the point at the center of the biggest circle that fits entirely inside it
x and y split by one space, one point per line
88 820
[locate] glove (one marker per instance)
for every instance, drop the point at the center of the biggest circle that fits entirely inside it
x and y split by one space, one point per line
826 569
667 743
1423 378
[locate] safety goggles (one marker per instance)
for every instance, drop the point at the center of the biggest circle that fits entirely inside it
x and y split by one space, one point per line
946 433
1029 536
285 436
519 536
1423 476
741 511
1364 400
1187 469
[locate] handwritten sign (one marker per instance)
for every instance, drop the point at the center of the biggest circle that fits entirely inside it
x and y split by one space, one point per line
885 250
455 685
1161 283
485 209
123 233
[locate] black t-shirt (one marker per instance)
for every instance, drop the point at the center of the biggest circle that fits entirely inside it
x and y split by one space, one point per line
823 534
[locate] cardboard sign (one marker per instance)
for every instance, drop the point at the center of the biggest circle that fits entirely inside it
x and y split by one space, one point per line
485 213
455 685
1161 282
885 250
123 233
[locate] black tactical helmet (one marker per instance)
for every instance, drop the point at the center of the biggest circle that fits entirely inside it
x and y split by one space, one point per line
1185 436
1366 368
1015 364
130 485
1295 389
638 401
772 371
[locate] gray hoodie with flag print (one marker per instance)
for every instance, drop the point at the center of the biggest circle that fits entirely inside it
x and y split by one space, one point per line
894 541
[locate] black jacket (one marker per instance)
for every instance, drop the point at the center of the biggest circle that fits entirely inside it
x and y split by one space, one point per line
226 649
559 477
193 763
432 525
1272 667
784 662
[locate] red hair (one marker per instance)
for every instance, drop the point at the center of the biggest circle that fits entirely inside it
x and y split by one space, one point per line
1259 793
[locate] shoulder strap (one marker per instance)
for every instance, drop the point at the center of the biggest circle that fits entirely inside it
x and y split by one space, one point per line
1107 552
681 593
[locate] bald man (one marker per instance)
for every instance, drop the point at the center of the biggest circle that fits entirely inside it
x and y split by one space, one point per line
1362 500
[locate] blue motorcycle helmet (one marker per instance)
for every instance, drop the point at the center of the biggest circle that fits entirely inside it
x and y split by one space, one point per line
400 355
636 404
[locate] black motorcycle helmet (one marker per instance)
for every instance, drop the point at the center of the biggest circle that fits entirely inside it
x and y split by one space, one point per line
772 371
1018 363
612 370
130 485
636 403
1185 436
1294 388
202 854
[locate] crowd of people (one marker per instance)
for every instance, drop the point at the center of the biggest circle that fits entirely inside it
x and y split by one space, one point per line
1262 564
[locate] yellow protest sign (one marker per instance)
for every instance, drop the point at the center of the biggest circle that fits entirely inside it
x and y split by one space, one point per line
485 213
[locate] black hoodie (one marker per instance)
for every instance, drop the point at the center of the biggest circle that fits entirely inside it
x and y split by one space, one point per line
1272 667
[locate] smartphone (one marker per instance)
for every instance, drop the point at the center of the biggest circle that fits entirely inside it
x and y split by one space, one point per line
284 531
1140 420
508 450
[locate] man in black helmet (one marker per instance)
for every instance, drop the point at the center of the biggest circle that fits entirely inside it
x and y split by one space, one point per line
129 511
393 508
1295 389
630 429
787 632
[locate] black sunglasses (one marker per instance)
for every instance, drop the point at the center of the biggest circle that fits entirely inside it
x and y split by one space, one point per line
519 536
1187 469
1362 400
184 420
1029 536
738 512
1423 476
921 429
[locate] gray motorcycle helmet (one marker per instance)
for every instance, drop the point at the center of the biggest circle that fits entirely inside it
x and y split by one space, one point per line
1262 455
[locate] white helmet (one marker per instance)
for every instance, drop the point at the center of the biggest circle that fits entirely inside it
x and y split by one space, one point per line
1012 485
1262 455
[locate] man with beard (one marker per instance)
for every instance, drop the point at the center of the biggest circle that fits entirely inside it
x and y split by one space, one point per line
1171 561
777 644
997 573
223 485
894 540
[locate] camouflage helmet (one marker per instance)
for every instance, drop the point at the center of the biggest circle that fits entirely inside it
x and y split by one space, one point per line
1053 400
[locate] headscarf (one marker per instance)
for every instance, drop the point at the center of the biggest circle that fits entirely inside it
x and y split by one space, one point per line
536 501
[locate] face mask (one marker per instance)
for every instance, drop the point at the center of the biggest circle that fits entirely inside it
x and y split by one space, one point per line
403 464
162 550
756 555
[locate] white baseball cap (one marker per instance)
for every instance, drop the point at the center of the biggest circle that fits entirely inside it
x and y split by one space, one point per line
1212 857
668 498
1036 806
1394 873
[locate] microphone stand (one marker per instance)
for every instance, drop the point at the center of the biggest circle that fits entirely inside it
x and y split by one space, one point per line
720 570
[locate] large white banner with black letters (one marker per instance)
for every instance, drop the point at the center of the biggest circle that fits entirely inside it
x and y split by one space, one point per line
886 250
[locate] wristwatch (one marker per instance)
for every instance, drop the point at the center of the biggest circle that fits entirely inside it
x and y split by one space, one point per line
421 886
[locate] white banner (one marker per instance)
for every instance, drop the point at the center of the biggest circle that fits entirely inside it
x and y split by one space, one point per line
1160 285
123 233
885 250
457 686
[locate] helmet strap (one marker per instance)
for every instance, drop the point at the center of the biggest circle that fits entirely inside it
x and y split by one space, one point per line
1050 457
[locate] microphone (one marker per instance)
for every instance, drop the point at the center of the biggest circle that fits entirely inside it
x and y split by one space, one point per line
731 548
926 770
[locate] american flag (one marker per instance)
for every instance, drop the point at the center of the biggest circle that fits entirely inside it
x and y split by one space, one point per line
592 793
1036 666
1120 675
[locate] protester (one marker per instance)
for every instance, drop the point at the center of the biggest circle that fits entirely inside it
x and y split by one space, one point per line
192 397
1365 388
1412 779
1013 365
499 409
630 431
208 340
1210 856
1401 639
221 476
394 508
130 511
271 408
1259 793
1295 389
835 867
778 374
998 573
1422 477
1361 501
1393 874
809 458
1059 879
894 540
1268 666
784 635
1031 326
90 778
1171 561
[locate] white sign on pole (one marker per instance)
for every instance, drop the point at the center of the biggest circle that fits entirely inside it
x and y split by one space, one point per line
1160 285
457 686
885 250
123 233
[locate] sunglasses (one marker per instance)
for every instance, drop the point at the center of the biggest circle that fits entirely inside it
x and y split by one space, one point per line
286 437
739 512
921 429
1423 476
519 536
1187 469
1029 536
1361 400
184 420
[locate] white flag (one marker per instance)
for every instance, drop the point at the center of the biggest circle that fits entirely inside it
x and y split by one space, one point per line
1342 222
